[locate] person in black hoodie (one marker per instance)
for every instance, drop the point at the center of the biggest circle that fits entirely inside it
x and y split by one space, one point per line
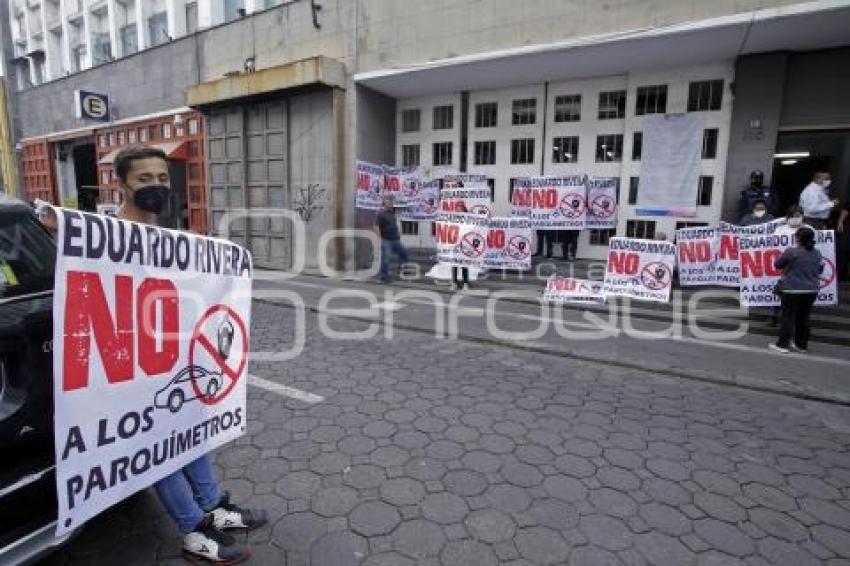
801 267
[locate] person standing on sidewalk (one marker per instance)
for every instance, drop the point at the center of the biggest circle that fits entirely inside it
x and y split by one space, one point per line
386 226
815 201
801 267
191 495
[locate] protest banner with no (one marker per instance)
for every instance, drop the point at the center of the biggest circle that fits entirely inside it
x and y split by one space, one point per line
551 203
727 268
573 290
508 244
472 201
697 255
370 186
640 269
151 342
424 203
759 276
401 185
601 203
461 239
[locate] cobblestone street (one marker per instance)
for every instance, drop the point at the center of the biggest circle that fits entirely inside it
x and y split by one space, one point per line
437 452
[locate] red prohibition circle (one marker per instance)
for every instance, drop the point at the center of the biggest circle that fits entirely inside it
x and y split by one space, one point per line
828 273
652 281
567 207
599 209
199 338
468 247
518 247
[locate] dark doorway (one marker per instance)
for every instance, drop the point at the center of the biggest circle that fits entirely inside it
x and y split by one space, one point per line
801 154
85 172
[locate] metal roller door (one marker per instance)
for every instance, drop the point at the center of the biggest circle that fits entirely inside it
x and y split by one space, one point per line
248 169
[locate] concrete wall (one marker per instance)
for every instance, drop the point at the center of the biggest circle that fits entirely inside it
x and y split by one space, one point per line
817 89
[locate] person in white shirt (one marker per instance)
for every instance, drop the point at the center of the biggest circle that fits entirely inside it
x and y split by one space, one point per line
814 201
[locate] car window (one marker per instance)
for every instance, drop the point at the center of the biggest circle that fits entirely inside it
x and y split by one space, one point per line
27 254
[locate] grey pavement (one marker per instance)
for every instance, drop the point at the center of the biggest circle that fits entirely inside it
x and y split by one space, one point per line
449 452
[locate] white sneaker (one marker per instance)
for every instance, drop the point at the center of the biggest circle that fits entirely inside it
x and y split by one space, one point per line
798 349
778 348
210 543
229 516
466 286
453 286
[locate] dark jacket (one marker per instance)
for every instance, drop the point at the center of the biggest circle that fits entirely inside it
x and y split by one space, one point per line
752 194
801 269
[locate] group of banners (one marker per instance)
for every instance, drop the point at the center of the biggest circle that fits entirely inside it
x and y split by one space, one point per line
574 202
743 257
475 240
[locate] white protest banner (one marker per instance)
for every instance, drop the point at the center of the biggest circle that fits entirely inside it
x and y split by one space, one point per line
640 269
150 353
552 203
759 276
670 162
727 268
572 290
472 201
461 239
697 255
424 203
601 203
401 185
508 244
370 186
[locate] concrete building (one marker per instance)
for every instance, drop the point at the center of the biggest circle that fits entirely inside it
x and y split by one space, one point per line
290 97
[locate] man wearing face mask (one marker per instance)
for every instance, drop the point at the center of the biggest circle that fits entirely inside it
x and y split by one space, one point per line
191 496
759 215
756 192
815 201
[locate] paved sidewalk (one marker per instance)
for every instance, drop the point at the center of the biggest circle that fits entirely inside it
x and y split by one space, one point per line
435 452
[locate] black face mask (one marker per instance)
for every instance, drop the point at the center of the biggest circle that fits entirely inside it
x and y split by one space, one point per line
151 198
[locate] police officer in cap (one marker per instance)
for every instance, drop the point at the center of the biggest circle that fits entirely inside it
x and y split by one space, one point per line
756 192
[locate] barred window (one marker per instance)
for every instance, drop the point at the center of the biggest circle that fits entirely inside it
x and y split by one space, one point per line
642 229
609 148
485 153
409 228
565 149
612 104
602 237
486 115
633 189
706 184
442 153
651 100
705 95
522 151
568 108
444 117
637 146
524 111
410 155
709 143
410 120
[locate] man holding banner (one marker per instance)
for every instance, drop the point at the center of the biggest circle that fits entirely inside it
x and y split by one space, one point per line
134 423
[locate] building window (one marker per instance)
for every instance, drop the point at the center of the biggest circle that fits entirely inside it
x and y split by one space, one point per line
121 138
612 104
706 183
166 130
143 135
410 155
485 153
104 178
602 237
568 108
154 132
565 149
409 228
705 95
194 149
709 143
524 111
633 189
682 225
651 100
491 184
637 146
191 17
232 8
433 228
444 117
101 140
486 115
131 136
442 154
522 151
410 120
111 139
129 39
642 229
609 148
193 127
158 28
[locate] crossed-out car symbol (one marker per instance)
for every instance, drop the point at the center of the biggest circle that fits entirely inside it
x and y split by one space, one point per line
180 391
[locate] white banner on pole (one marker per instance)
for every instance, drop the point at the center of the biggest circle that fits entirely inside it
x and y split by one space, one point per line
471 201
423 204
602 203
728 266
370 186
150 352
551 203
640 269
697 255
461 239
508 244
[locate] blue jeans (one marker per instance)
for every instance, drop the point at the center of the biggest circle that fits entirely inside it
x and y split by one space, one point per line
391 247
190 493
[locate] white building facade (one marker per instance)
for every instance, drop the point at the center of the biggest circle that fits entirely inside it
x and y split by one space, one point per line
56 38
